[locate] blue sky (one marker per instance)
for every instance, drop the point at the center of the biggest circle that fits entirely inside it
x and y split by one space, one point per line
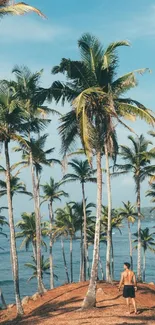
41 43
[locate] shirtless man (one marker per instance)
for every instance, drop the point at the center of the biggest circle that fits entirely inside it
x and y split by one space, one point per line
129 279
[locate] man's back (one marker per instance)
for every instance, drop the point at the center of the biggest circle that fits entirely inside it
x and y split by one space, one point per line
128 277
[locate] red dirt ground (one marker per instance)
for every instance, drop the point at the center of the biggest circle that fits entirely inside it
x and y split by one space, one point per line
60 307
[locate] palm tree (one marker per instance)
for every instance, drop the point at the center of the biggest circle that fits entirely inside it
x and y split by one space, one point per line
116 223
45 265
98 101
17 187
103 240
2 223
68 222
39 156
20 8
28 89
11 126
147 242
128 213
78 208
62 233
52 192
83 173
137 161
27 231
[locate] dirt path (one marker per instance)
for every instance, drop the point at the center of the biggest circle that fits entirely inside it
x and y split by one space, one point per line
60 307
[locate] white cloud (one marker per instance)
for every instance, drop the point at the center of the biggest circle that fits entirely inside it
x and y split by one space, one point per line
138 26
23 29
132 25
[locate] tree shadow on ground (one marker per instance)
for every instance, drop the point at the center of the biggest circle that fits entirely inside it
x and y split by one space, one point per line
104 307
141 310
140 317
66 291
105 317
115 298
146 290
125 323
48 311
53 307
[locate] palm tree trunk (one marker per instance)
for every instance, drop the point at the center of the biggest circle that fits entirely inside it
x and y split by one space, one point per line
3 300
139 275
109 231
51 246
84 231
130 243
81 256
90 299
41 288
38 190
101 268
38 207
71 258
64 258
112 258
13 249
88 265
34 250
144 264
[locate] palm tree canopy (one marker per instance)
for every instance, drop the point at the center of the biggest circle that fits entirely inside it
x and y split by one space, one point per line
137 158
116 221
45 266
12 117
82 172
27 86
147 239
27 226
78 208
151 192
96 95
91 234
128 212
17 187
67 222
52 191
39 154
19 8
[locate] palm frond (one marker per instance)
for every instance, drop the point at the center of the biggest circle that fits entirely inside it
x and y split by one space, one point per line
20 8
142 113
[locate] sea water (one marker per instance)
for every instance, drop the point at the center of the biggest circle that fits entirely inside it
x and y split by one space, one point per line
121 255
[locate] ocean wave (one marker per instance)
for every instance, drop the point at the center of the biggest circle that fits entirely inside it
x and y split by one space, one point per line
4 252
5 282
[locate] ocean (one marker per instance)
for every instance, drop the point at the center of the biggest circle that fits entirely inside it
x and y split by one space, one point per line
121 254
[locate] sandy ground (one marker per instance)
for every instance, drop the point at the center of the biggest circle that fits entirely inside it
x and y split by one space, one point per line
60 307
